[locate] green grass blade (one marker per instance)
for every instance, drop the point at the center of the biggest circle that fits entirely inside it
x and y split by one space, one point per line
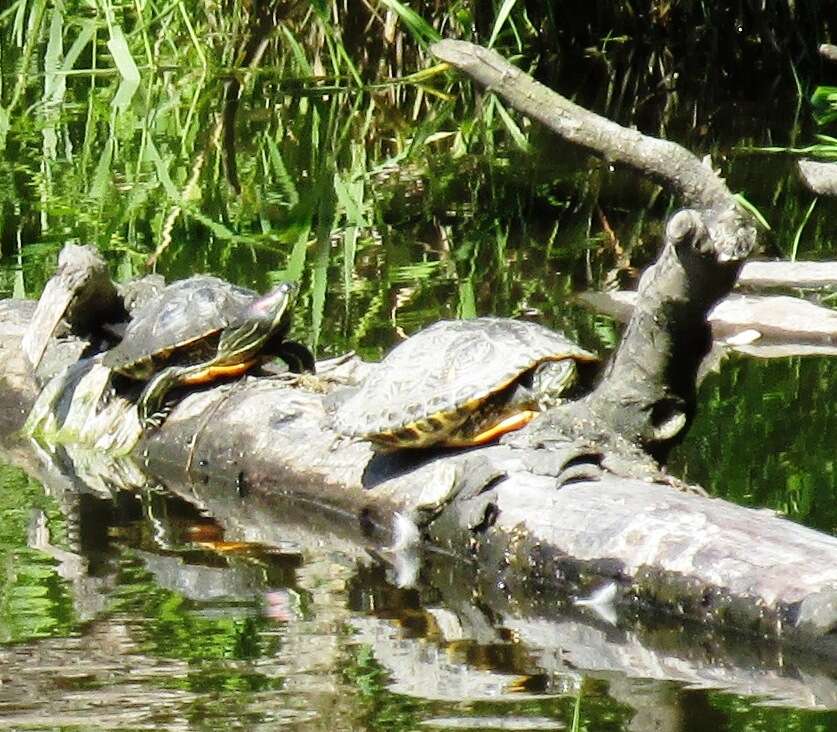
85 35
745 204
298 53
343 54
798 234
319 276
296 262
13 8
4 127
19 23
502 16
217 228
467 300
350 197
19 290
419 28
102 175
121 54
281 172
515 131
54 83
824 96
153 155
576 723
349 236
32 37
192 35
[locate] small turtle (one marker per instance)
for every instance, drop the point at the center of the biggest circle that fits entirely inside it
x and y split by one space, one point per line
460 383
202 329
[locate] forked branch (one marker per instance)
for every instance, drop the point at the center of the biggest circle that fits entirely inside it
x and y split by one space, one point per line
665 162
647 395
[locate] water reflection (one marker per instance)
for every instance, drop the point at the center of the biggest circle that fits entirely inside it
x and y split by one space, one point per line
161 610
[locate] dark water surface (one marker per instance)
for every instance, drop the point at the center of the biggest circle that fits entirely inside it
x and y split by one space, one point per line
393 206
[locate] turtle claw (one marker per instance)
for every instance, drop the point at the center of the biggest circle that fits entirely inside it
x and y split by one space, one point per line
153 421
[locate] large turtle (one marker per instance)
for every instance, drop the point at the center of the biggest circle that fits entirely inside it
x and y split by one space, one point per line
201 329
460 383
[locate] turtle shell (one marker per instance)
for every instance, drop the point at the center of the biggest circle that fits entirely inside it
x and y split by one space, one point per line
181 325
446 372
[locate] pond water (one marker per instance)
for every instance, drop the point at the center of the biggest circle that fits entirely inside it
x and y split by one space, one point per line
267 142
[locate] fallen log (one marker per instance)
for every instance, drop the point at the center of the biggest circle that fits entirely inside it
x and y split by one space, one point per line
767 325
576 499
502 507
788 274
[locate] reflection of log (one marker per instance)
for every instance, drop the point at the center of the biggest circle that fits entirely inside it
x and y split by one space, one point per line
465 651
551 638
569 644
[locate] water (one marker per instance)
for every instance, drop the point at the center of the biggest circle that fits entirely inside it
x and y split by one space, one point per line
141 611
146 610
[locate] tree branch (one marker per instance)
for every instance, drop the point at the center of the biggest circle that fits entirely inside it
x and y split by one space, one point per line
665 162
648 392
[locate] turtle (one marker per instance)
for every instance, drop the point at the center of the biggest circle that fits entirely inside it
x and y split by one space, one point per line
460 383
201 329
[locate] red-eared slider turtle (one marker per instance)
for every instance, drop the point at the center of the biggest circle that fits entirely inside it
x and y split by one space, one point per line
461 382
202 329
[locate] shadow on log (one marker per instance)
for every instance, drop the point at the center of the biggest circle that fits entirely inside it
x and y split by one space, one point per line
578 499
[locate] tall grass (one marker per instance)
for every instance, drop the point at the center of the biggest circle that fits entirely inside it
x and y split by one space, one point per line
321 141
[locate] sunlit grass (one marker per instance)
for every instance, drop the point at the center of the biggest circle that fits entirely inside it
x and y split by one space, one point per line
190 136
160 152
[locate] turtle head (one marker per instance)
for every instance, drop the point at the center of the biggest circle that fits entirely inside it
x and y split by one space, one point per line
552 380
267 317
273 310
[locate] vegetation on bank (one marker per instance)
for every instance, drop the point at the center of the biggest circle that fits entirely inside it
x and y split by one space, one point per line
321 141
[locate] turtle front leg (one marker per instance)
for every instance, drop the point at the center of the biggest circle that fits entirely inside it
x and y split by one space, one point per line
151 410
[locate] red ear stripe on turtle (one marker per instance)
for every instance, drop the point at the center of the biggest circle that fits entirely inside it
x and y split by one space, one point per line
267 303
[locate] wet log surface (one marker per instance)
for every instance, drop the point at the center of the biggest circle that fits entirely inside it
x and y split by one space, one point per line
572 502
770 319
788 274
